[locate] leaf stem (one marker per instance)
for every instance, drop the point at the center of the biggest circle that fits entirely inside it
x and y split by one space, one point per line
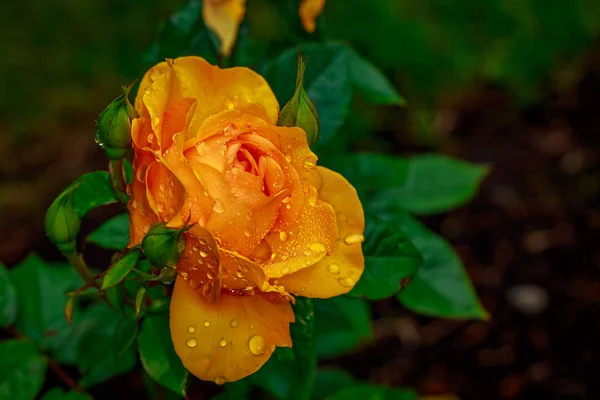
117 179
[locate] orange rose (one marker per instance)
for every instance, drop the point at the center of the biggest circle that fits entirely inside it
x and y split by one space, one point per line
268 223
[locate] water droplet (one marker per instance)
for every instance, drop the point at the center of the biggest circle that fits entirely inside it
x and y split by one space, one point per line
257 345
222 342
191 329
220 380
288 206
273 256
286 200
162 187
203 253
283 236
288 158
247 233
317 247
354 238
273 347
309 164
233 323
312 199
191 342
218 207
161 207
135 204
210 275
193 284
206 324
334 269
346 282
203 241
172 210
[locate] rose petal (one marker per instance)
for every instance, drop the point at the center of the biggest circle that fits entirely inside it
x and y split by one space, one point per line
230 339
224 18
337 273
304 243
141 216
165 193
309 10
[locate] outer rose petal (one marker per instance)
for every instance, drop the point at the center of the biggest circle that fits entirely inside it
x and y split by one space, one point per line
140 213
224 18
214 89
337 273
309 10
230 339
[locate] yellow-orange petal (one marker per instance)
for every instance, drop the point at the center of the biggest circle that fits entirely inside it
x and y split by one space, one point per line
304 243
213 88
230 339
141 215
338 272
165 193
224 18
309 11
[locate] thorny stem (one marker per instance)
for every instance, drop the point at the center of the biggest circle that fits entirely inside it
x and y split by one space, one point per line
118 181
66 378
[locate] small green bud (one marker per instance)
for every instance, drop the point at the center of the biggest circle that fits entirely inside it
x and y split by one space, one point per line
299 110
162 246
114 127
62 222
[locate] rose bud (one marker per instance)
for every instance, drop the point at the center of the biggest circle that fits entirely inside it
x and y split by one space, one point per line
62 222
162 246
114 127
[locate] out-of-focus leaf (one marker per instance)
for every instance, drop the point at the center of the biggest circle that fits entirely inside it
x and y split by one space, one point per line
59 394
278 375
441 286
390 257
139 298
113 234
92 190
41 294
22 369
363 391
127 171
8 298
98 355
184 34
117 272
341 324
334 72
434 183
329 381
303 337
127 330
158 354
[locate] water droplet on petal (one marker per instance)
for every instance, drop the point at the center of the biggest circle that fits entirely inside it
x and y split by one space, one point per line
220 380
202 241
210 275
135 204
273 347
247 233
257 345
195 247
218 207
309 164
283 236
317 247
354 238
191 342
288 158
191 329
288 206
346 282
162 187
312 199
193 284
161 207
233 323
206 324
334 269
203 253
222 342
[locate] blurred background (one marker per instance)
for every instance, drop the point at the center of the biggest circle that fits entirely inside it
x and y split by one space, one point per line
513 83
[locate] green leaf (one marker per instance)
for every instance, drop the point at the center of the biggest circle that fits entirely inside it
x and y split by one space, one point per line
127 330
59 394
41 294
434 184
278 375
158 354
390 258
98 355
8 298
341 325
333 75
92 190
127 171
113 234
441 286
329 381
365 391
22 369
120 269
303 332
139 299
184 34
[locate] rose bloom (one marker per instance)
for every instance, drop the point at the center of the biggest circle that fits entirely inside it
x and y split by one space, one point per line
268 224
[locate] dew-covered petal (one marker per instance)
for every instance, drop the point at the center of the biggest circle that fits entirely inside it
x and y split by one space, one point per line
338 272
306 242
164 191
141 216
231 338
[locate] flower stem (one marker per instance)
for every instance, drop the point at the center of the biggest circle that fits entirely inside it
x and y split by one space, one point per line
76 260
118 180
